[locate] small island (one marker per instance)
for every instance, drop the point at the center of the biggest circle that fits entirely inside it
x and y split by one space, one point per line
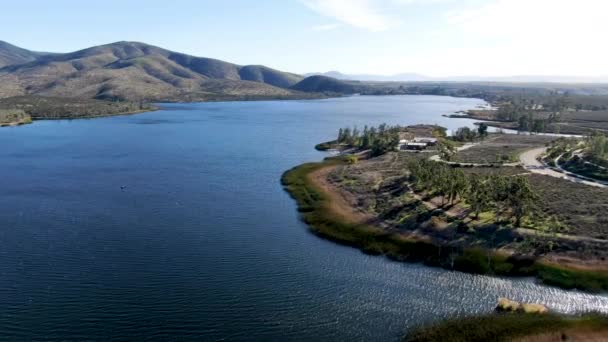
476 202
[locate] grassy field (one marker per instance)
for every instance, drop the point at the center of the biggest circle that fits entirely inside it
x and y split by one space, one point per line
515 327
501 148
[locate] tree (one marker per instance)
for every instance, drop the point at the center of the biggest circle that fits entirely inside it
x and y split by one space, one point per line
498 193
522 123
341 135
482 130
446 149
538 126
457 183
597 145
478 195
464 134
520 198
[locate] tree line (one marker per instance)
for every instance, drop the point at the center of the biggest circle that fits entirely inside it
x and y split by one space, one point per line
466 134
500 194
379 140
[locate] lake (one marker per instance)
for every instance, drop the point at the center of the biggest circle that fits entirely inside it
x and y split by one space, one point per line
173 224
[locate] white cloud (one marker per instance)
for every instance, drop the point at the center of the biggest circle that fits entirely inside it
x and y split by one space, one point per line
363 14
326 27
476 37
533 36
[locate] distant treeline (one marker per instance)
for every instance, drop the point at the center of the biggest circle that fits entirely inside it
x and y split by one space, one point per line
39 107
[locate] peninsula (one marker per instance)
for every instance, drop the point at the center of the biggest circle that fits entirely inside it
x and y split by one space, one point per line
475 202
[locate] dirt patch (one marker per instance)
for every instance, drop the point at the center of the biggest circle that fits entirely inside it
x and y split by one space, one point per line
501 148
340 202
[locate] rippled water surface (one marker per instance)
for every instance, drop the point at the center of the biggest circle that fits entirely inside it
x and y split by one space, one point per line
201 242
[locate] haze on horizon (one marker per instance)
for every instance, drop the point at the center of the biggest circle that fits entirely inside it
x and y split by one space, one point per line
440 38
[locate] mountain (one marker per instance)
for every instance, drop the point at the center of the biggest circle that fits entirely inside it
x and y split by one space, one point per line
323 84
404 77
138 71
11 54
412 77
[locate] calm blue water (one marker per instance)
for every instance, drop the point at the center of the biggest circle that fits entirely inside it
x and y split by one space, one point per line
203 243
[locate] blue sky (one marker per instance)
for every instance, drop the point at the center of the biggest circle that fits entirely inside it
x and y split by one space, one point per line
432 37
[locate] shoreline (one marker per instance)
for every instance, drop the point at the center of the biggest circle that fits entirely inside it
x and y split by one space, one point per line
17 123
514 326
316 204
157 105
154 109
32 121
512 126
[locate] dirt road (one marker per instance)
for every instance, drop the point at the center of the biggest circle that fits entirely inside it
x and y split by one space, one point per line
529 161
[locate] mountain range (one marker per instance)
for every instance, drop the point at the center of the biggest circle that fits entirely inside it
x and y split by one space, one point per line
137 71
413 77
141 72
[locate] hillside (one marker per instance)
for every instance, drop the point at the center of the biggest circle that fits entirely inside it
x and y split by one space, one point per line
324 84
11 55
137 71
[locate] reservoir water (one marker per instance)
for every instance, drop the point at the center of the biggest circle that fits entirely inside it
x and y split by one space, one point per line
173 225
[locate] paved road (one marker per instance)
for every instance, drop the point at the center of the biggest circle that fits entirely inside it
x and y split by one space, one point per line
530 163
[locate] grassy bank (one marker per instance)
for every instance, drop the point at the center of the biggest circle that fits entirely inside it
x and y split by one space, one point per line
324 146
315 209
14 117
509 327
46 108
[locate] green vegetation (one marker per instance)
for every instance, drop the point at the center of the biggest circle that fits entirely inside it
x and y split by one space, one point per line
502 194
316 211
597 147
509 327
312 203
39 107
568 278
379 139
11 117
466 134
382 139
586 157
580 208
